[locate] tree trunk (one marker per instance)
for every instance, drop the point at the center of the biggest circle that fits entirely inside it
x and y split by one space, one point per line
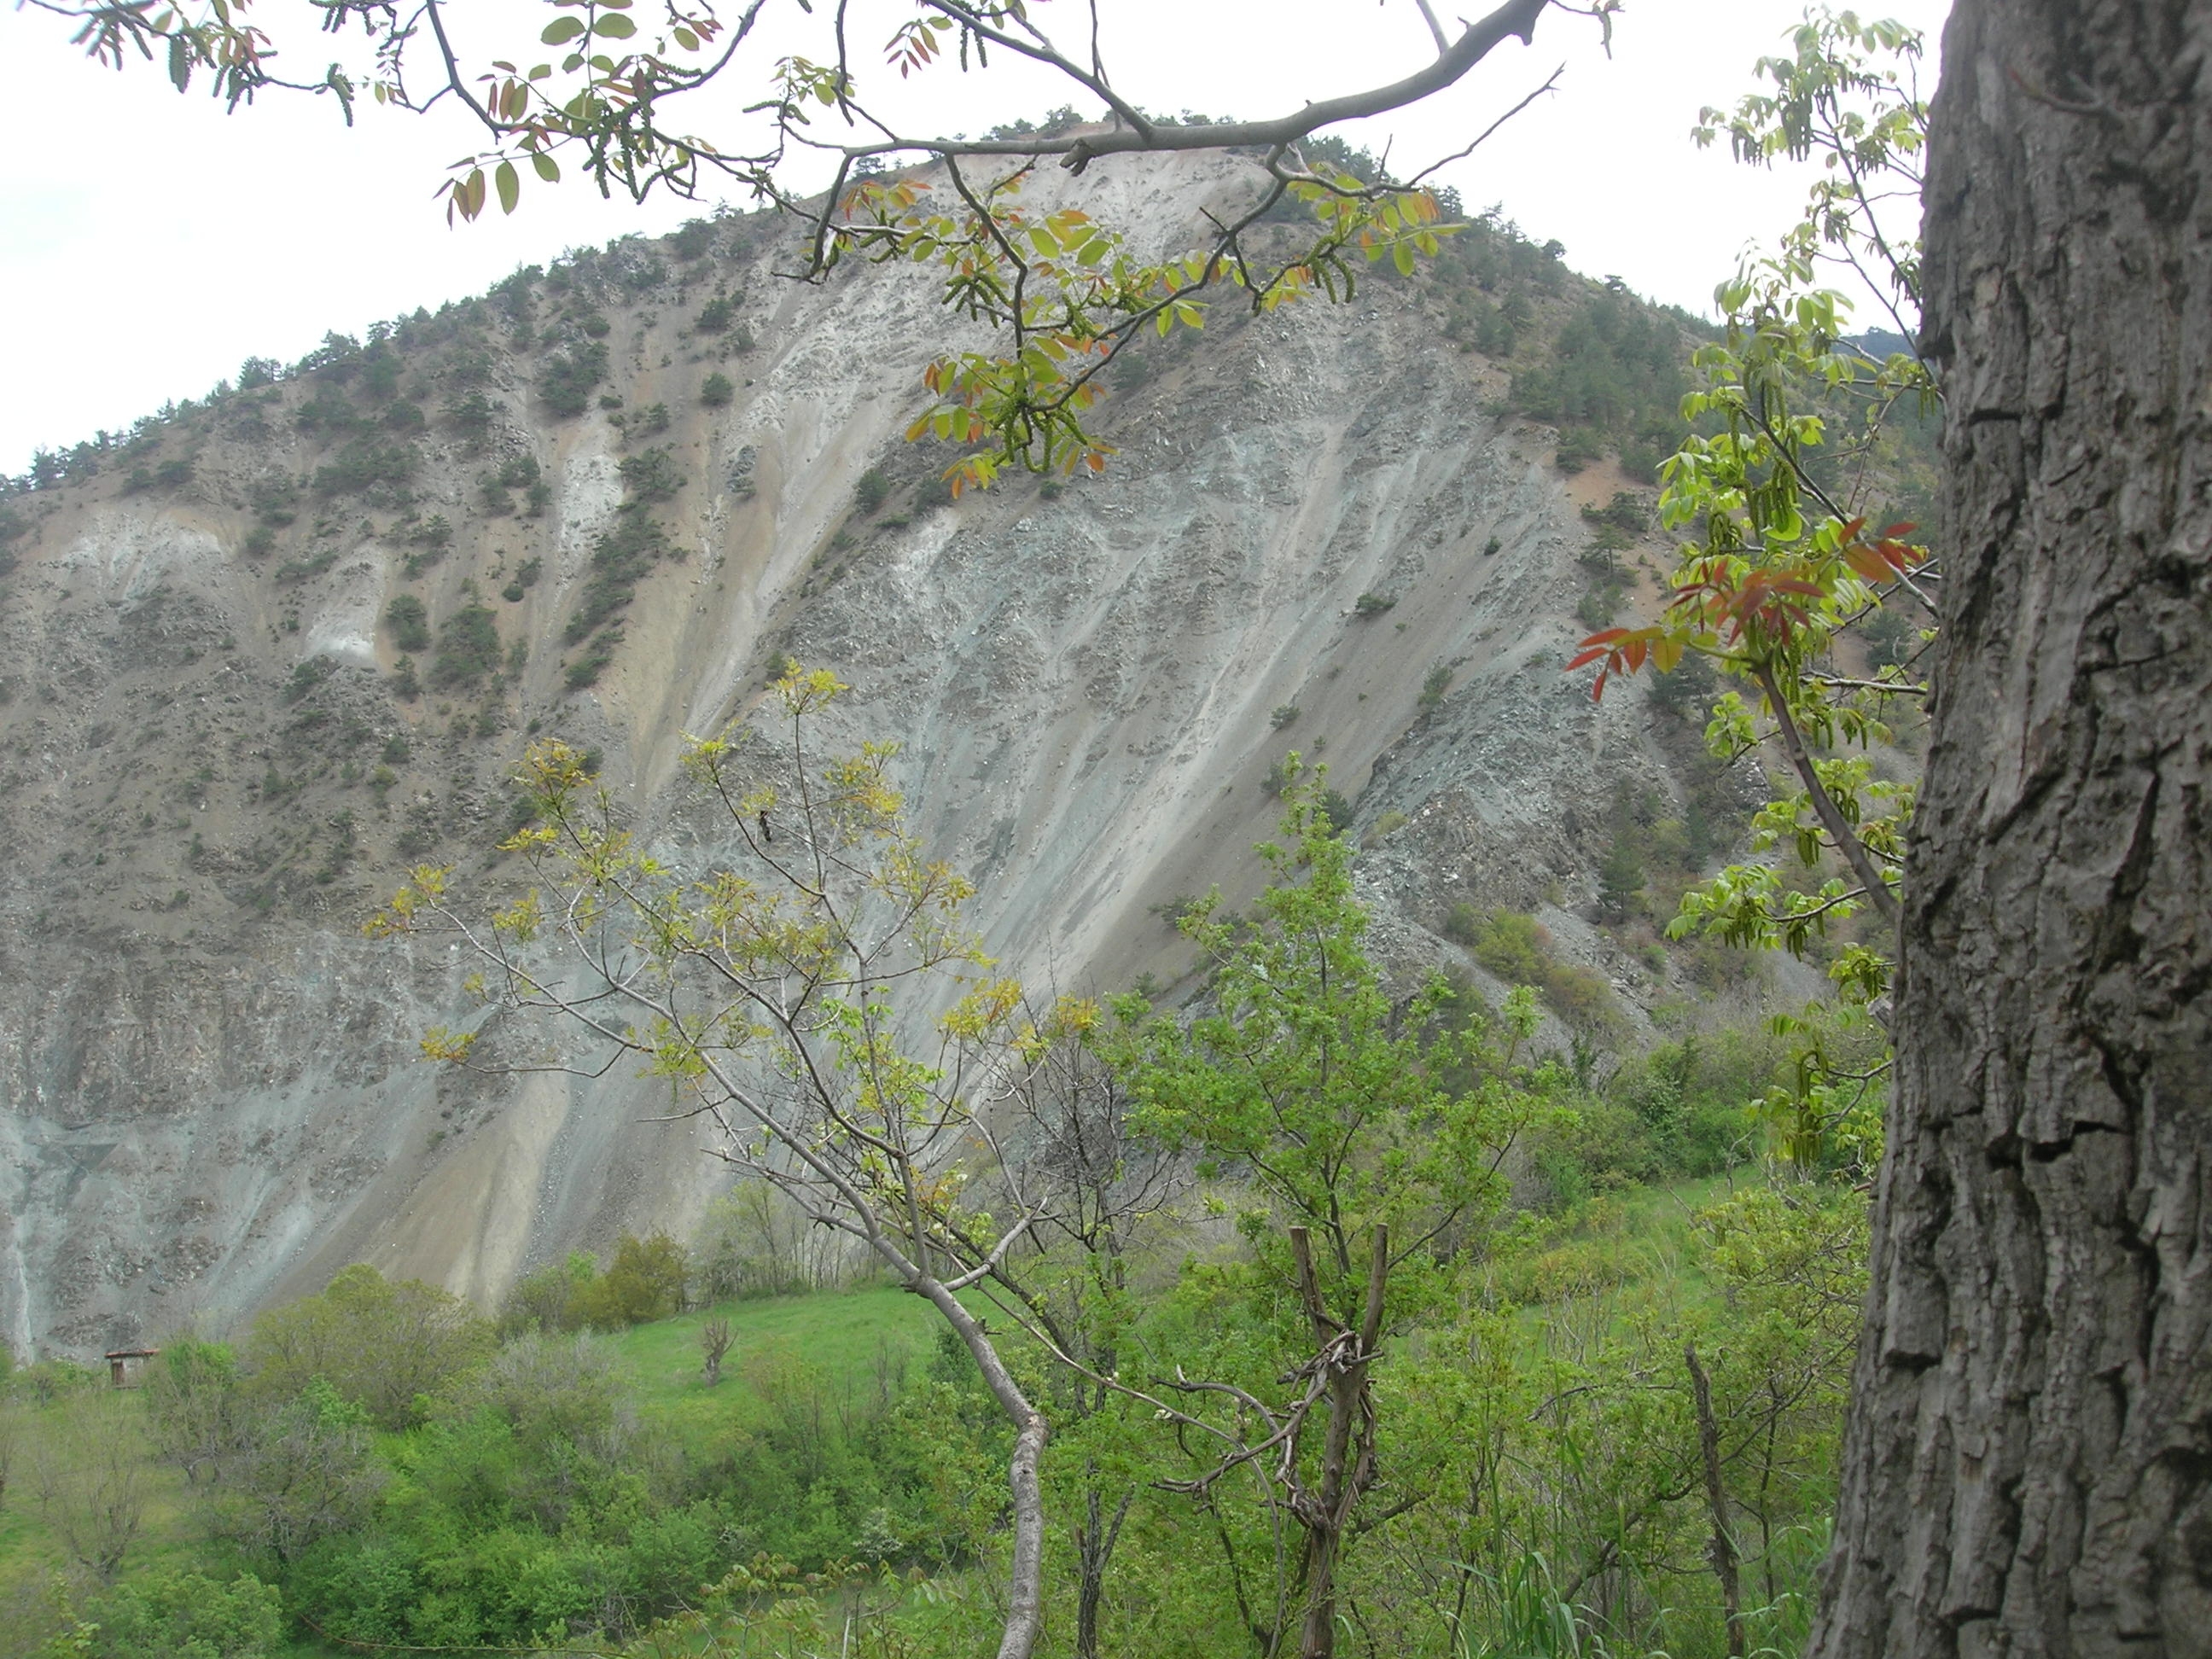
1721 1551
1094 1548
1025 1572
1347 1458
2026 1464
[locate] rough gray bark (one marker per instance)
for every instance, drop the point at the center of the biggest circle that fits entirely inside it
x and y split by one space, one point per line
2027 1460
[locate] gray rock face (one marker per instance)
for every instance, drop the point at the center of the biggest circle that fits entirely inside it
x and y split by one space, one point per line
211 1086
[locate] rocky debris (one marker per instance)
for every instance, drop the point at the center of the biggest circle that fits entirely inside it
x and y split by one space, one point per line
214 754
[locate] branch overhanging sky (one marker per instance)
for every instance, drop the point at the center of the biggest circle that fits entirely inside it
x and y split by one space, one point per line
149 243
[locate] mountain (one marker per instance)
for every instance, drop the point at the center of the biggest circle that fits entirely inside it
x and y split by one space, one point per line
271 650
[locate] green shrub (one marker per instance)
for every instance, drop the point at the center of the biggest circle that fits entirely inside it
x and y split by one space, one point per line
185 1615
470 415
717 391
1433 687
715 316
1518 948
1626 514
586 669
650 475
525 579
1371 605
408 622
1284 714
378 1343
298 570
872 489
306 676
1621 878
363 464
1580 447
620 560
468 648
328 410
1384 827
568 379
645 1281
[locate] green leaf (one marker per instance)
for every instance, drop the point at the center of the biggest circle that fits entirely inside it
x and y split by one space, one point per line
548 169
615 27
686 40
509 185
561 28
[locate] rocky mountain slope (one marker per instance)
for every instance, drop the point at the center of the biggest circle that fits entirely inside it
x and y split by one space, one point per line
221 739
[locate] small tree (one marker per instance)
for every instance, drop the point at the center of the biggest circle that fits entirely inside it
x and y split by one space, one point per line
193 1405
88 1469
714 1342
1311 1083
379 1343
782 998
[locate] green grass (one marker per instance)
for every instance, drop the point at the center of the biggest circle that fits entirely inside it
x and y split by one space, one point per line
843 1334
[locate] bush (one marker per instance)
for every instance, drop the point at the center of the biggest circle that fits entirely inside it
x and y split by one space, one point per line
1518 948
586 669
1620 880
646 1281
409 623
525 579
1580 447
1433 687
470 415
363 464
377 1343
1385 826
651 476
1371 605
306 676
566 385
468 648
184 1615
872 489
717 392
1285 714
620 560
715 316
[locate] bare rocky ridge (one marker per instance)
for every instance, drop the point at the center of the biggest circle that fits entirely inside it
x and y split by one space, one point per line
211 1090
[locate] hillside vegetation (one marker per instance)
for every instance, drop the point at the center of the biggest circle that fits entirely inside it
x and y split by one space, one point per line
561 1491
1436 1253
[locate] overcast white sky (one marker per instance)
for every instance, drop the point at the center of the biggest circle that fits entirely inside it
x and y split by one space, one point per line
149 243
